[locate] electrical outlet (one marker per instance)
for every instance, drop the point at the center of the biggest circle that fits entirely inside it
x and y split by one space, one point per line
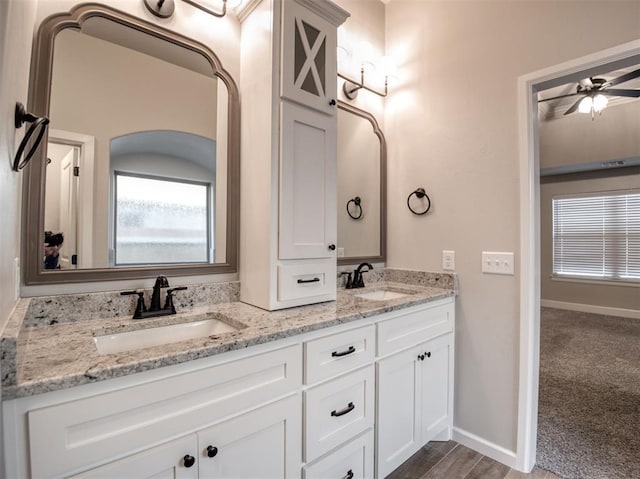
340 252
498 263
448 260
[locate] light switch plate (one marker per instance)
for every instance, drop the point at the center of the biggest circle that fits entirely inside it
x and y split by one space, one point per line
340 252
448 260
498 263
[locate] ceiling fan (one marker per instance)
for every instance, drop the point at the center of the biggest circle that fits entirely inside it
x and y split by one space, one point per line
594 93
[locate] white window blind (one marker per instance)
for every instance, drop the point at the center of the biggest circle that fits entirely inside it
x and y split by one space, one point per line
597 237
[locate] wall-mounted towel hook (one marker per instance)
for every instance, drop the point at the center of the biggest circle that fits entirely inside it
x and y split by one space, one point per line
38 124
419 193
358 205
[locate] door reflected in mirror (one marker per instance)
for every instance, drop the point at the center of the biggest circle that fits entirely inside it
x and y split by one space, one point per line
136 169
361 172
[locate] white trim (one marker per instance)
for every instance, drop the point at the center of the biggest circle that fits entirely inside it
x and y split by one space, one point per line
528 85
591 308
487 448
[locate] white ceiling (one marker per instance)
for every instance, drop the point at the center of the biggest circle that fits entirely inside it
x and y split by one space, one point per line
555 108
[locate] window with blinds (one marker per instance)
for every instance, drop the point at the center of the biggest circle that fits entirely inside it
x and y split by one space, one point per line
597 236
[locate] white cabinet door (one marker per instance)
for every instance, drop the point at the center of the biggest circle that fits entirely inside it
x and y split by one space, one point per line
415 400
309 45
435 393
308 184
398 427
261 444
166 461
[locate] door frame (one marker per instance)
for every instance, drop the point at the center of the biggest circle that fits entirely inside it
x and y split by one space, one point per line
86 157
528 85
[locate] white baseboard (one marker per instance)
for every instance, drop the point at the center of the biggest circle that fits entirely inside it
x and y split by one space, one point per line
590 308
484 447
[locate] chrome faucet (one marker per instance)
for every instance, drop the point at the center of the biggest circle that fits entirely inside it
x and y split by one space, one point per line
358 281
141 311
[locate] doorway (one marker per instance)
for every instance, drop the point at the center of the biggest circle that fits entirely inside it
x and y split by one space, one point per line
528 87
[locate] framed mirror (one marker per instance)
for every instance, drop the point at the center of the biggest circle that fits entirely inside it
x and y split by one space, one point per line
140 173
362 191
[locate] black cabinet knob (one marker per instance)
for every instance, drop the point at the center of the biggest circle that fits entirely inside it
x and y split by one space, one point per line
421 357
428 354
212 451
332 247
349 474
332 102
189 460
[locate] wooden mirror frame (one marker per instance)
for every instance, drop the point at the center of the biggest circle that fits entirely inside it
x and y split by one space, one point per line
383 188
34 174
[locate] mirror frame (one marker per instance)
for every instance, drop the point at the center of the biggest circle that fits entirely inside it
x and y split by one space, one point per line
383 188
34 174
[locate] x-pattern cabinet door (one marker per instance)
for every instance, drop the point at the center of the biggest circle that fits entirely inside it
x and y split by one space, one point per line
308 58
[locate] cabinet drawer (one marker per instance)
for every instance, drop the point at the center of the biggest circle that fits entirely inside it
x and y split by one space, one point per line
78 434
354 460
296 281
414 327
337 411
338 353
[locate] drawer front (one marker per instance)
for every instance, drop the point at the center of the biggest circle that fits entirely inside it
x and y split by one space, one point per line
297 281
75 435
353 460
414 327
333 355
337 411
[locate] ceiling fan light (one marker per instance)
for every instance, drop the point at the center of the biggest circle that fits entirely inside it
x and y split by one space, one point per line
600 102
585 105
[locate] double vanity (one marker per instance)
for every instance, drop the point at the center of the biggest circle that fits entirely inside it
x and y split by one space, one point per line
349 388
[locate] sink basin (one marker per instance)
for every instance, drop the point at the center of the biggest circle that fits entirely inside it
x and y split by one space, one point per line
380 295
146 338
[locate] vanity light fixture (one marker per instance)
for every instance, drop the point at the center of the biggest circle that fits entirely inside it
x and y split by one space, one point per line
385 64
160 8
225 4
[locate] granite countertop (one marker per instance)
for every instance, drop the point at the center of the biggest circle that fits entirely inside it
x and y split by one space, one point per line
50 357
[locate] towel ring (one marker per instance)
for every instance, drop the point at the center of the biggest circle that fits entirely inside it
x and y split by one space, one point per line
358 202
420 193
37 124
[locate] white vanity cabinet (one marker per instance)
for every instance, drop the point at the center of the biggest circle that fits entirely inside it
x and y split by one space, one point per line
288 214
340 404
250 406
255 445
415 384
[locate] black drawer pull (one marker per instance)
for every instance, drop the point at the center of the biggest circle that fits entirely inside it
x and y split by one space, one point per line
314 280
349 475
337 354
346 410
189 460
212 451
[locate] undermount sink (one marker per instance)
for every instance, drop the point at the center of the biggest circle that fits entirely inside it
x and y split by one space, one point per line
146 338
381 295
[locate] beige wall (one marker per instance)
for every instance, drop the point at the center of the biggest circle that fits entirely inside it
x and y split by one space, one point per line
577 139
16 18
451 125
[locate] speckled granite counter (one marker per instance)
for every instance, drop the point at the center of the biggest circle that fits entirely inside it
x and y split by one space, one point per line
44 354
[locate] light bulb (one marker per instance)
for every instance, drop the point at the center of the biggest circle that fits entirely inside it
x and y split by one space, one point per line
585 105
600 102
364 53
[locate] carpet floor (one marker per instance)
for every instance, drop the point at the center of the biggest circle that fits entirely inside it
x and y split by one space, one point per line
589 402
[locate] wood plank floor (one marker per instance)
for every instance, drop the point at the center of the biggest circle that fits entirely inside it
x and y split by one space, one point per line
450 460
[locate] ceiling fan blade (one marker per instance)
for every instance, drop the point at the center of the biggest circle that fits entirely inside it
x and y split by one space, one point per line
622 78
619 92
560 96
573 108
